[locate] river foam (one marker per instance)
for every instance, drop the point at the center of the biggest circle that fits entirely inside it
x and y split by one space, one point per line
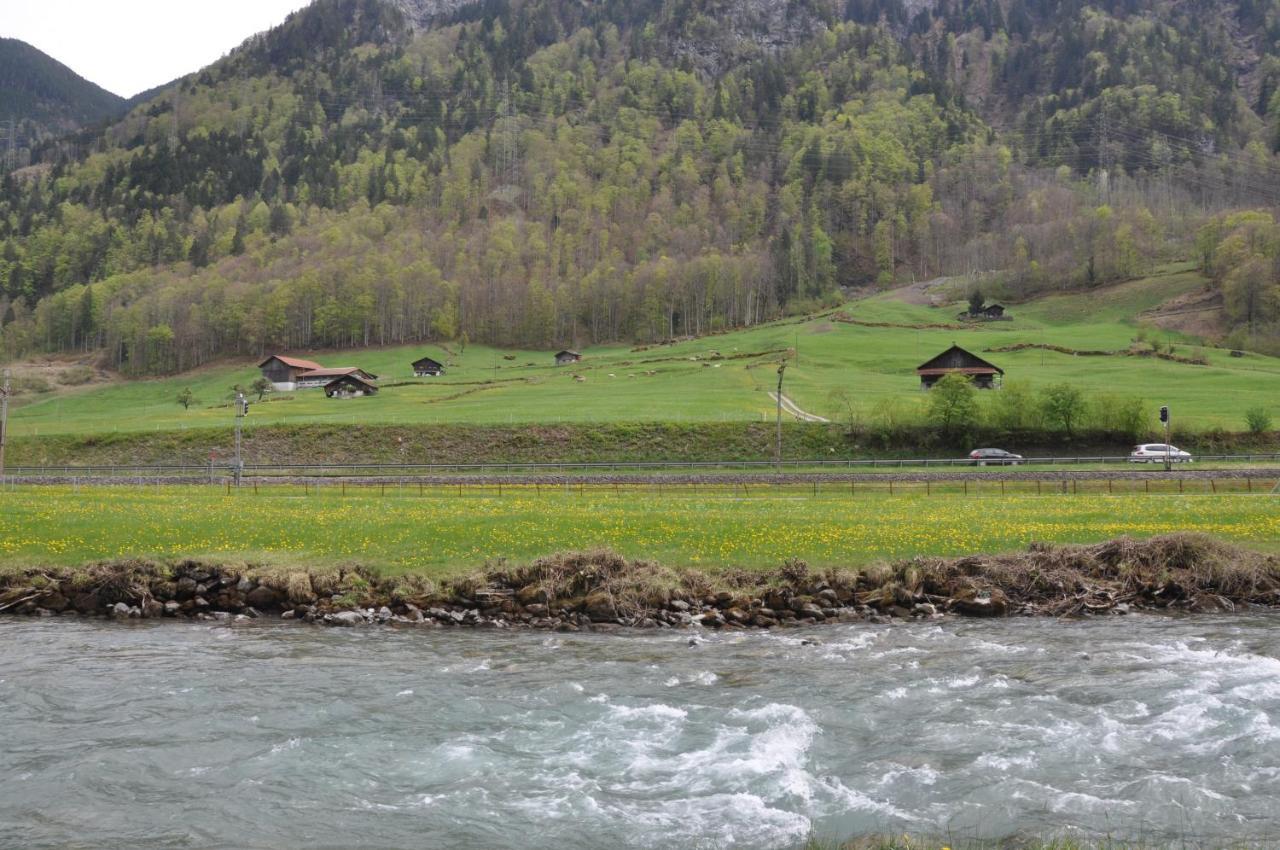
269 736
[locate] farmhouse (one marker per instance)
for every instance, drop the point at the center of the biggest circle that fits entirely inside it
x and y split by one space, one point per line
563 357
425 367
956 361
993 311
322 377
350 385
283 371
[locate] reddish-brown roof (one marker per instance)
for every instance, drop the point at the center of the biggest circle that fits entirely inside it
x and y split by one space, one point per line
337 372
291 361
963 370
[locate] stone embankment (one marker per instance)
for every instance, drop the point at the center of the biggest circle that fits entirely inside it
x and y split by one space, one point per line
603 591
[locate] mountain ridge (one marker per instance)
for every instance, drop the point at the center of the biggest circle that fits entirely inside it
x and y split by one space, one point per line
544 172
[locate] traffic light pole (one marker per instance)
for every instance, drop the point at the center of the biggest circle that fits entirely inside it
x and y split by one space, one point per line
1168 449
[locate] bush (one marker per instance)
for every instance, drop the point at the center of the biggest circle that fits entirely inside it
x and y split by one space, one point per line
75 376
1063 406
1258 420
1123 415
31 384
953 405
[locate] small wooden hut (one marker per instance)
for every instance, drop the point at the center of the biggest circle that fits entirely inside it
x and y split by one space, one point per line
565 357
956 361
350 385
425 367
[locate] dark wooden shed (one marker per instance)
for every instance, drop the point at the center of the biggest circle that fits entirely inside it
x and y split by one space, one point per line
425 367
566 356
350 385
956 361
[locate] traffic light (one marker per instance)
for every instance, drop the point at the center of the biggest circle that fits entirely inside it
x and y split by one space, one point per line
1164 414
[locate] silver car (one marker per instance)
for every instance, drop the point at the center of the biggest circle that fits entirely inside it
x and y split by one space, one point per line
1158 453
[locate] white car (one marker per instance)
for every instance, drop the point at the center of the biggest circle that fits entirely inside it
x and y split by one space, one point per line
1158 453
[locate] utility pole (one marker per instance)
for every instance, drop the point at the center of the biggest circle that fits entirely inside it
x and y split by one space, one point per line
242 409
4 419
782 367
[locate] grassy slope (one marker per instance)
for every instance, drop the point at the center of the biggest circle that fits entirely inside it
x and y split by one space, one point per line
876 365
441 533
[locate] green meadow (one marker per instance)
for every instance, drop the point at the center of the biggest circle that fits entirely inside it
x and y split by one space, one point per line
442 532
727 377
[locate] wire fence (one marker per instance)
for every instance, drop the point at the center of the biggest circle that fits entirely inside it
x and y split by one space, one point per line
215 472
1222 483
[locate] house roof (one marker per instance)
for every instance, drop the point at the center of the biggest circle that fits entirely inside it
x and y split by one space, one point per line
350 378
426 360
956 360
338 372
295 362
568 352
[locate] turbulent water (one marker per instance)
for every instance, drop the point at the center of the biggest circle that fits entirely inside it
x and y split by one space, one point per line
173 735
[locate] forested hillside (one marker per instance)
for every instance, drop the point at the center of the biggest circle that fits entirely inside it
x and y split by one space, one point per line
41 99
547 172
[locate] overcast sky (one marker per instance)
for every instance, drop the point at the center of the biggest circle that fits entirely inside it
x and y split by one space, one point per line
128 46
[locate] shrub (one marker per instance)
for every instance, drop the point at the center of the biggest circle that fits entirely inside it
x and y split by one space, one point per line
953 405
31 384
1063 406
1258 420
75 376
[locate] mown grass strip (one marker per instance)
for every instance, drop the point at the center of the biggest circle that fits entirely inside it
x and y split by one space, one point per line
446 531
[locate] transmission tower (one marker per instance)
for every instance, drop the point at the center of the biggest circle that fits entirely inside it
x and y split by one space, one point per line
173 125
11 146
507 164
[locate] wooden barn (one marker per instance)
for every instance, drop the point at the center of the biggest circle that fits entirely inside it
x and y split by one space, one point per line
283 371
956 361
350 385
425 367
993 311
322 377
566 357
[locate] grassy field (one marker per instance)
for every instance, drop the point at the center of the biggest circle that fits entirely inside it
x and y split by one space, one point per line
719 378
446 531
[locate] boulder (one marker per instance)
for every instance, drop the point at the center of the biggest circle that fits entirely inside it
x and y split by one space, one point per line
184 588
152 608
55 602
712 620
599 607
530 594
87 603
678 605
345 618
973 603
244 585
263 598
120 611
171 608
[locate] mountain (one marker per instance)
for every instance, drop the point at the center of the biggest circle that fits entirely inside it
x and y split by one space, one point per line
45 99
540 173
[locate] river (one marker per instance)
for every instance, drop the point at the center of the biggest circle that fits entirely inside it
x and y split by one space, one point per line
161 735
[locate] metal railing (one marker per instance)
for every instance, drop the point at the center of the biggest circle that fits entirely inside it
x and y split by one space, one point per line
411 470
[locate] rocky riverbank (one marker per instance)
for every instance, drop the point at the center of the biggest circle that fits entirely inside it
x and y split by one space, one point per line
603 591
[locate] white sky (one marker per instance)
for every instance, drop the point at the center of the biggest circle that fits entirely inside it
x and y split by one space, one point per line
128 46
